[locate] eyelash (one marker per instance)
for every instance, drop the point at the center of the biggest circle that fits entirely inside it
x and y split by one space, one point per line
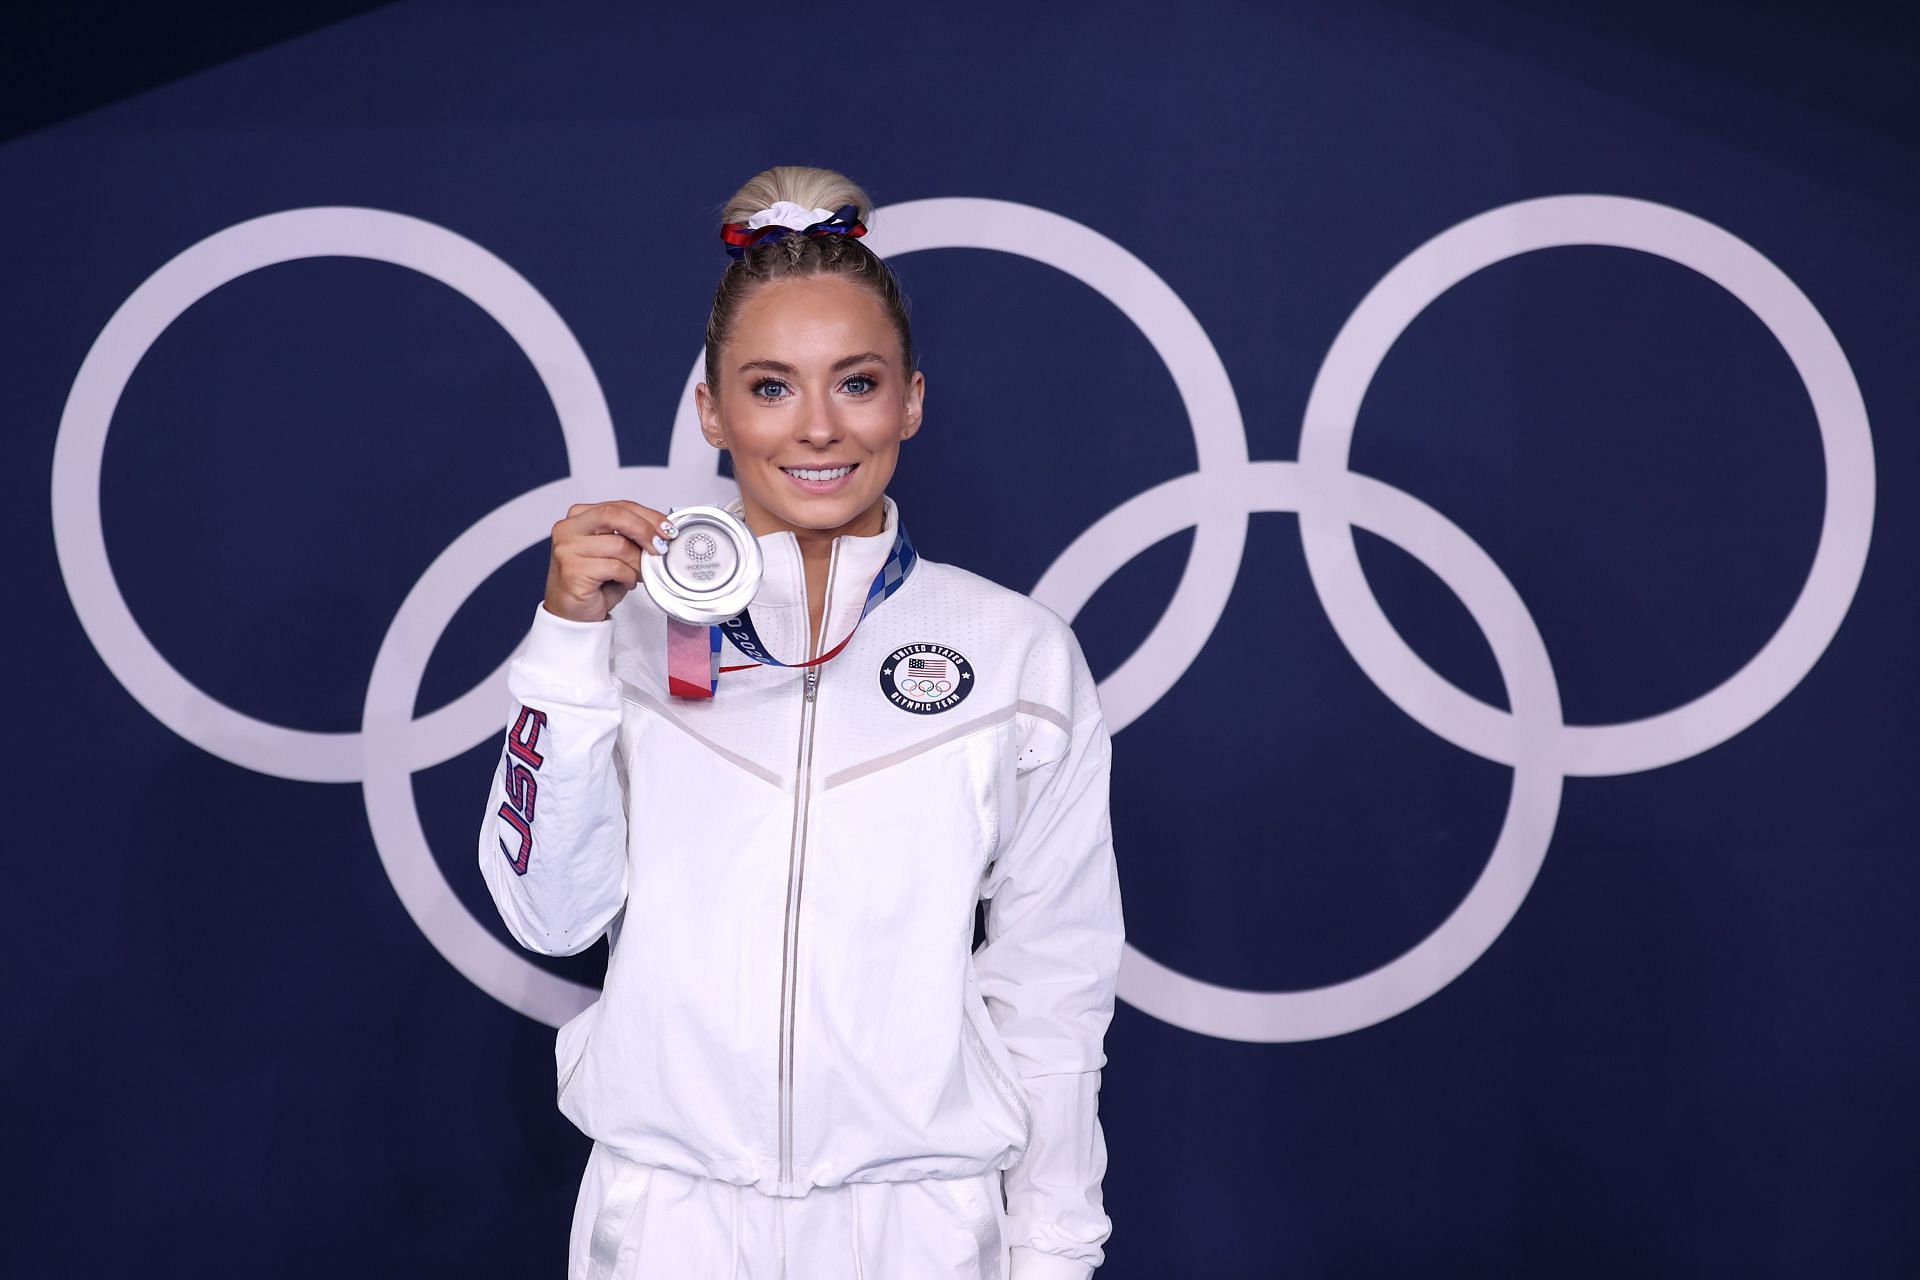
773 382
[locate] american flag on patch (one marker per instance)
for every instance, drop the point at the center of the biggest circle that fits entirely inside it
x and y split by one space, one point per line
934 667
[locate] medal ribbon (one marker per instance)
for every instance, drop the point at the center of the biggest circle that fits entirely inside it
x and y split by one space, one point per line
693 658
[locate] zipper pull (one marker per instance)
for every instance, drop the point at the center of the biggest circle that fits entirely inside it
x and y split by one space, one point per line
813 681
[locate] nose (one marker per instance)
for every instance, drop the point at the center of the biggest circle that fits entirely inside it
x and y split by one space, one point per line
819 426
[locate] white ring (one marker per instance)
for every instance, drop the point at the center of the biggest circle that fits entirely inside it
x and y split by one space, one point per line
1846 443
1533 806
79 450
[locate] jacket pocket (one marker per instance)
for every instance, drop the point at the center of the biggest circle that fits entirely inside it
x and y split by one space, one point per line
983 1039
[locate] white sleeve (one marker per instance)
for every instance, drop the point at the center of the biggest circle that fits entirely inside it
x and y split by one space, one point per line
1047 970
553 846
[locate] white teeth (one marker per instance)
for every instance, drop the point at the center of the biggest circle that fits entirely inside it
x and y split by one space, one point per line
806 473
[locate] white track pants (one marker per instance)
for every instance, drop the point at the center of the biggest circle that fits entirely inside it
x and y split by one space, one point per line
641 1222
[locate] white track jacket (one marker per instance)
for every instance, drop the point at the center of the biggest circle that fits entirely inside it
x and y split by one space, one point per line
787 875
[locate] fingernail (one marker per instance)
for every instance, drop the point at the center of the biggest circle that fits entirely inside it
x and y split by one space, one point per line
660 544
666 526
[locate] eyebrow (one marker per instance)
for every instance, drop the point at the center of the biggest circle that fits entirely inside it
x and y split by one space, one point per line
780 366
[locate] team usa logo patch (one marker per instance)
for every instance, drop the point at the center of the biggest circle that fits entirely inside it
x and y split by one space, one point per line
925 678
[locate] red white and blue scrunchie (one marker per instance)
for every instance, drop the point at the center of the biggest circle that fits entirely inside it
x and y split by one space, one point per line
783 218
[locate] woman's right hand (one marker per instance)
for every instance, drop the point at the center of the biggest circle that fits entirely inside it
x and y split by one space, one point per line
596 556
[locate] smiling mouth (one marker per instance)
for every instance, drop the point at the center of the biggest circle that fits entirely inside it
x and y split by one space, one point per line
820 473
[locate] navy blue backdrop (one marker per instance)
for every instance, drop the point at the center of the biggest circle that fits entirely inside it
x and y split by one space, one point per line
1549 917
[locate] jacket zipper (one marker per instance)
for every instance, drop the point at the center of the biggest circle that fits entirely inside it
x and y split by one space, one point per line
796 873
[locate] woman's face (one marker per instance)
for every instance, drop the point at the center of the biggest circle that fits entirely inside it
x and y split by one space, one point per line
813 404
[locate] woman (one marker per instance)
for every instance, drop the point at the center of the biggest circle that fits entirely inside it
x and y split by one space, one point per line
798 1066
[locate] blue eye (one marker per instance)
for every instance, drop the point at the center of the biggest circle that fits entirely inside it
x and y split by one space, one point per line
858 384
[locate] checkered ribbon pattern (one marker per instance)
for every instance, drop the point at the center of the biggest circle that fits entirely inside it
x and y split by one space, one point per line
684 642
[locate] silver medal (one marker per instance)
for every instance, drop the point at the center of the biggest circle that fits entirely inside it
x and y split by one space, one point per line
711 568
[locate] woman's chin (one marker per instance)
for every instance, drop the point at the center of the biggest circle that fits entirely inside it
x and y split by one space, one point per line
817 511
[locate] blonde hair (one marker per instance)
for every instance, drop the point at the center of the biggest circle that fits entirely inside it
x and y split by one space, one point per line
799 256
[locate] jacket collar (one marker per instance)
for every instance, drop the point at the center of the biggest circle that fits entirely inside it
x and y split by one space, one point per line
780 605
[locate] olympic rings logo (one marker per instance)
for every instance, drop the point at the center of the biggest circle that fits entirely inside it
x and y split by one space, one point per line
931 688
1215 500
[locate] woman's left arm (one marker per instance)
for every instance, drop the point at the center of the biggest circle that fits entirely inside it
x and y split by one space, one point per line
1047 969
